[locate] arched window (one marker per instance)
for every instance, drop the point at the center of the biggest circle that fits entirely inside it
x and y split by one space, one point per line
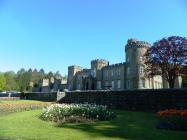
119 83
128 70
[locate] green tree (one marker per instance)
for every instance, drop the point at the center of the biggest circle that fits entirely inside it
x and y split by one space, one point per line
23 79
57 75
2 82
10 77
49 75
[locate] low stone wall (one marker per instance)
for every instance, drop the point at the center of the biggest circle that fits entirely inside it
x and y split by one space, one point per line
139 100
40 96
10 94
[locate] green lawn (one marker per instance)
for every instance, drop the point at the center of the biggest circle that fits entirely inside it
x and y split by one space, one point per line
127 125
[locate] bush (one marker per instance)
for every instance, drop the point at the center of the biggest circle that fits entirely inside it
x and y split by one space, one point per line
172 119
76 113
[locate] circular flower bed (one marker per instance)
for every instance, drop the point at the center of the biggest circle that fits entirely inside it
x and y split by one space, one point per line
76 113
172 119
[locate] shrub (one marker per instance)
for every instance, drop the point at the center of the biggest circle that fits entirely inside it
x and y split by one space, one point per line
76 113
172 119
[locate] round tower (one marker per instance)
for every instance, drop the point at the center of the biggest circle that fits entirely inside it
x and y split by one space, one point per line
135 51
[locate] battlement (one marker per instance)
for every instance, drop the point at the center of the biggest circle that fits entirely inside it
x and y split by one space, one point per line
99 60
84 71
75 67
115 65
98 64
136 43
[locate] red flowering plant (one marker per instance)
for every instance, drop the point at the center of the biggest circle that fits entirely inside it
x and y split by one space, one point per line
172 119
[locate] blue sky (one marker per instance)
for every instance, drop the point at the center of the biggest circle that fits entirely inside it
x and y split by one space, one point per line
53 34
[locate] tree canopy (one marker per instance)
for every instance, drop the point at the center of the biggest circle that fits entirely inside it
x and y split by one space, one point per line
21 80
166 58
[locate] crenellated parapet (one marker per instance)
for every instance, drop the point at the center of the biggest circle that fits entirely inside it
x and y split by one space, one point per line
115 65
100 61
98 64
75 67
136 43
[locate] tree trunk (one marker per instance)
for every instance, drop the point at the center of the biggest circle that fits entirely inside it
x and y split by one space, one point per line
171 83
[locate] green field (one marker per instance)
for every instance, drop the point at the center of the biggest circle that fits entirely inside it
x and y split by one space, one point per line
128 125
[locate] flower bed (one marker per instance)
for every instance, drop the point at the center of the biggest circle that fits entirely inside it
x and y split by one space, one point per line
76 113
172 119
21 107
9 98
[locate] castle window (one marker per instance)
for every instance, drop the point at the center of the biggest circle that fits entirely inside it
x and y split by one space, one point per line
142 83
141 58
93 73
106 73
119 83
79 78
112 84
128 84
141 69
78 86
106 83
112 73
119 72
98 84
128 70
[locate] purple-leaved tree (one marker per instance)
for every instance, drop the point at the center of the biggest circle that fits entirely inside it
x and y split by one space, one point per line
166 58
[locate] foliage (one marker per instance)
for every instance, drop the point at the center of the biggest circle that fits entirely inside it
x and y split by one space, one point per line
2 82
10 77
184 77
173 119
22 80
166 57
73 112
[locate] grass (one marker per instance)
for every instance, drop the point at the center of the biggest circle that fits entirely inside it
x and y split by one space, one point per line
127 126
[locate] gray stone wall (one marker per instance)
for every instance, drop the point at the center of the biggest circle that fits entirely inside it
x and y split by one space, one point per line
114 77
40 96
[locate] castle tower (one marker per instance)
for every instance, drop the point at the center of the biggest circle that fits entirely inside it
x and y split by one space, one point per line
135 51
98 64
72 70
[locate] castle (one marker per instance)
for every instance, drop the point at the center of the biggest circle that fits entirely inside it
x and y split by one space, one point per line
127 75
50 85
